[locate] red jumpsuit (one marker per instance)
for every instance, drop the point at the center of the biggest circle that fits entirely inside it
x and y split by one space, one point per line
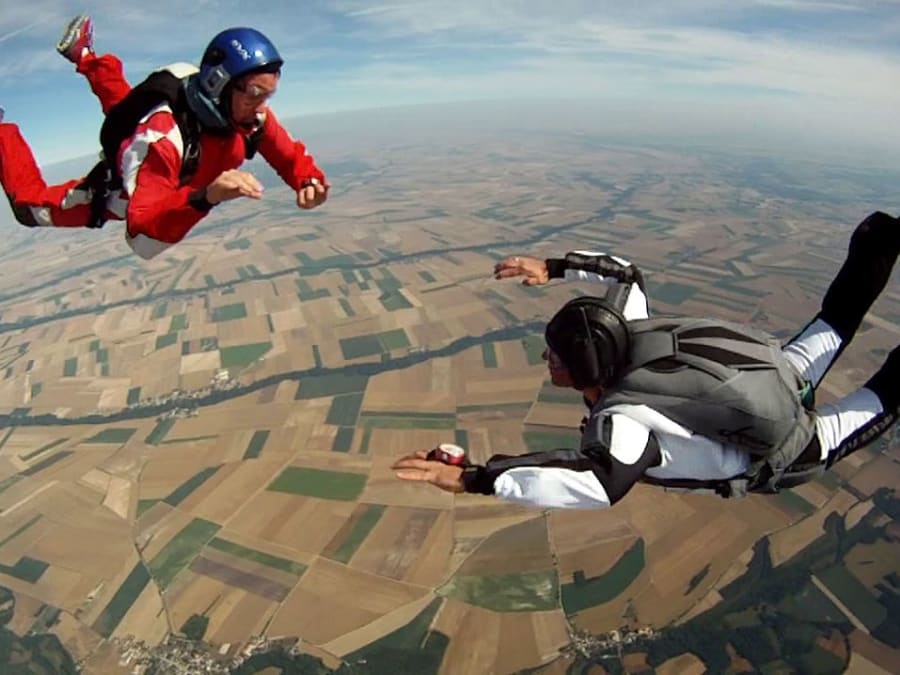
154 207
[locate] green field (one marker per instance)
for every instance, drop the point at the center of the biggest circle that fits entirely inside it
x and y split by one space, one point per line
44 448
413 648
122 600
266 559
36 389
461 438
583 593
375 343
159 432
229 312
112 436
534 346
167 340
523 592
145 505
347 307
181 550
427 277
319 483
179 322
542 441
44 463
159 310
344 409
70 368
361 529
241 356
307 292
243 244
343 439
795 502
552 394
184 490
855 596
27 569
330 385
7 483
134 395
489 355
673 293
394 301
257 443
407 420
22 528
328 262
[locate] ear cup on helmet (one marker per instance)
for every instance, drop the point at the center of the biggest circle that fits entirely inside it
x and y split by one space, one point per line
592 338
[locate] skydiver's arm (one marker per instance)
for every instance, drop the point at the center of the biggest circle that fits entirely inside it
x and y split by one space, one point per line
604 268
160 213
594 266
597 476
287 156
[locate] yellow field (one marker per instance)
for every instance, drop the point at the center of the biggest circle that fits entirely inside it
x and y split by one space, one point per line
520 548
26 608
870 563
396 546
78 639
378 628
246 479
880 471
248 616
787 542
593 560
300 523
383 487
146 617
332 600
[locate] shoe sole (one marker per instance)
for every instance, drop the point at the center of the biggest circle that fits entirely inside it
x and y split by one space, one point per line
71 34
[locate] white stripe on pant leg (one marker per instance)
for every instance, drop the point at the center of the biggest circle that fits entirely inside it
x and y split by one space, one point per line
812 352
835 422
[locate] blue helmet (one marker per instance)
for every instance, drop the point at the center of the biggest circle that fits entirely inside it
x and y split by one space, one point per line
230 54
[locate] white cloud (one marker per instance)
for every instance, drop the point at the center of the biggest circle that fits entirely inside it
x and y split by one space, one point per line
845 59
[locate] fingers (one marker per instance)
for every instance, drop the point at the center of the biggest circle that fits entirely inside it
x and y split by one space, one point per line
312 195
232 184
410 474
416 461
508 267
246 184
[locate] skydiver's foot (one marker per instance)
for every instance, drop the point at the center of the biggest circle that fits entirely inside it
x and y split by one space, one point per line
77 40
2 112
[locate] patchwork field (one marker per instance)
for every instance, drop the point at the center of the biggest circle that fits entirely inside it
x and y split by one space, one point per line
205 439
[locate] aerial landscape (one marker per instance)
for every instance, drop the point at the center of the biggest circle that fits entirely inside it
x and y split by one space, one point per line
195 451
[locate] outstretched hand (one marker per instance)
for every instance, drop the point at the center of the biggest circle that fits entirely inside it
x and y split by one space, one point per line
311 194
533 269
232 184
416 467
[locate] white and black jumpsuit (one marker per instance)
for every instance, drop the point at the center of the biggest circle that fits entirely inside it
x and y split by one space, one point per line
638 443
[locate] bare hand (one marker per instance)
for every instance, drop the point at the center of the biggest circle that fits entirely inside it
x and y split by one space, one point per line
533 269
415 467
312 194
232 184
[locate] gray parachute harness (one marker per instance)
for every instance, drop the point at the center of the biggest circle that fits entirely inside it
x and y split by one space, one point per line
724 381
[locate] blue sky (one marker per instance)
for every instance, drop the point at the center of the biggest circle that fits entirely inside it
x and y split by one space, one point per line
830 69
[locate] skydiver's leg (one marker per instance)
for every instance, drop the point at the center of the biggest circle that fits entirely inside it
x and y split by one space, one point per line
34 203
103 73
861 417
106 77
873 250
